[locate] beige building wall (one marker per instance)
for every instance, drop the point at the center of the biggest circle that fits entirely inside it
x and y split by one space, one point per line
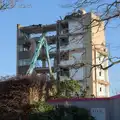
99 56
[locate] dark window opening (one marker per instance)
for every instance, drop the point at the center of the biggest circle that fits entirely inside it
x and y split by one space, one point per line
99 58
64 28
65 31
100 89
26 46
64 56
64 72
100 73
64 25
64 42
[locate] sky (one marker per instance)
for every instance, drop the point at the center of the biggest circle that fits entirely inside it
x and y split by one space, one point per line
45 12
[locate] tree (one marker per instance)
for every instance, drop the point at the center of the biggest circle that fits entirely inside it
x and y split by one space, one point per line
69 88
107 11
16 93
7 4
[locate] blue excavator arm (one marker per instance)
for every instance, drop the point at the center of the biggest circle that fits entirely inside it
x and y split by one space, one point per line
36 54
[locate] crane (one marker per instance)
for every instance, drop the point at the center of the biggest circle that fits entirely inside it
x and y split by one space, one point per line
42 42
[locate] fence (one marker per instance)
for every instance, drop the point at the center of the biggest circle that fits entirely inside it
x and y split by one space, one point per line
100 108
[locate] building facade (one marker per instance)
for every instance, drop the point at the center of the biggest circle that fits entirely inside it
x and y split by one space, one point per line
77 51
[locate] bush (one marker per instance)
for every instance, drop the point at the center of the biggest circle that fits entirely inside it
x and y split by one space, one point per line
62 113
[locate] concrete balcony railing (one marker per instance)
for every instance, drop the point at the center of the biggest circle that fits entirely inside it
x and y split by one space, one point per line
71 46
103 82
62 78
67 63
105 53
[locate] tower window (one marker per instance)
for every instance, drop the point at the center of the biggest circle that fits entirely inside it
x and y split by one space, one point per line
99 58
64 72
100 89
24 62
64 42
64 56
26 46
100 73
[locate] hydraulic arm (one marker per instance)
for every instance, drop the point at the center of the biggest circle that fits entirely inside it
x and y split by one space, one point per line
42 41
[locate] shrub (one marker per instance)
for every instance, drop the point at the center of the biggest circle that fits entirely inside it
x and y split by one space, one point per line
62 113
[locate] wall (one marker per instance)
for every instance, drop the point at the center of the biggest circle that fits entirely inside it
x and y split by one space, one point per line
101 108
23 56
88 54
98 56
76 44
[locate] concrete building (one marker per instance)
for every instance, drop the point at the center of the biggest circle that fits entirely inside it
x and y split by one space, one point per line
76 45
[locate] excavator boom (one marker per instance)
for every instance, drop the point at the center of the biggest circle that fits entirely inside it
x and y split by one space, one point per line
36 54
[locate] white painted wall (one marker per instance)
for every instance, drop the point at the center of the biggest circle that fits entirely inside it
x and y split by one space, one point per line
75 26
74 58
77 74
75 42
98 113
71 46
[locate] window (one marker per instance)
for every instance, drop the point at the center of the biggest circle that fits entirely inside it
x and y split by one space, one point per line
20 48
25 47
20 63
100 73
64 31
64 42
99 58
64 56
24 62
100 89
64 72
99 55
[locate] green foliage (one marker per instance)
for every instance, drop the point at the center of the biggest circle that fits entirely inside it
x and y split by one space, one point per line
67 87
42 107
63 113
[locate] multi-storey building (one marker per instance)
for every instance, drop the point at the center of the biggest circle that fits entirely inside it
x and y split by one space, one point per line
77 49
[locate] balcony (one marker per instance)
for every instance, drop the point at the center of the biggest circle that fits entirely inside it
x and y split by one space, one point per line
43 69
71 46
38 28
25 55
22 69
103 52
71 63
103 82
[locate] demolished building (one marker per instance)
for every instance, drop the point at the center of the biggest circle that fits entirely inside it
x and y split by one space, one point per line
76 44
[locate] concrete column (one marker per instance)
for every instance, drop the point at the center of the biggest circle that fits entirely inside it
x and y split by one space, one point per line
58 53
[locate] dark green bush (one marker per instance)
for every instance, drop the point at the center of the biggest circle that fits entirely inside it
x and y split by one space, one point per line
63 113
